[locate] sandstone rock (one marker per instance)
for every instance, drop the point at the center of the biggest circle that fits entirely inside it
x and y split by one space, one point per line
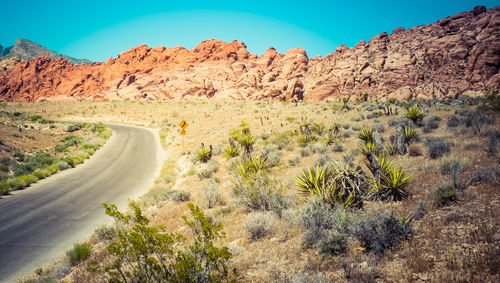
445 59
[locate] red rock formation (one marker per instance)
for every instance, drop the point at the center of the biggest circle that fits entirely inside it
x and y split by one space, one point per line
440 60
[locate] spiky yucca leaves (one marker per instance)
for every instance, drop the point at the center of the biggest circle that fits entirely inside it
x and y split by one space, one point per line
369 147
410 134
251 167
395 182
389 182
415 114
366 135
338 184
246 140
314 181
204 154
231 151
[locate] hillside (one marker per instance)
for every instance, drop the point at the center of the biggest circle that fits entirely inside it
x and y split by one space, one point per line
440 60
27 50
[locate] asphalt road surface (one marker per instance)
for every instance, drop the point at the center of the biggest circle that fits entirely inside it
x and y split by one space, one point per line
44 220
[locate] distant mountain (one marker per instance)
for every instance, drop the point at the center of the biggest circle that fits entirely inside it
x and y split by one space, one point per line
26 50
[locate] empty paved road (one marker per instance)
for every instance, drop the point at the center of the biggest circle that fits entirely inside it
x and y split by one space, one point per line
44 220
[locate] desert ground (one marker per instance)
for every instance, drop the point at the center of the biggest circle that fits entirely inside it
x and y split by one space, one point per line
446 216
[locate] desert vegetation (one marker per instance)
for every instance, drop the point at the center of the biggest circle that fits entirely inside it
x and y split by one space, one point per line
33 148
356 191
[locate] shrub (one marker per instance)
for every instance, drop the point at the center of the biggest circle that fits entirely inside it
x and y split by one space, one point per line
213 195
415 150
431 123
334 245
204 154
41 173
488 175
366 135
4 188
63 165
493 143
453 166
17 183
74 127
211 167
323 160
231 151
179 195
305 152
317 218
339 184
415 114
379 127
437 147
79 253
445 194
454 121
259 224
379 232
148 253
105 233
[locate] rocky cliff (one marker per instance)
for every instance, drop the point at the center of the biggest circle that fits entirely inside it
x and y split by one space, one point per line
26 50
444 59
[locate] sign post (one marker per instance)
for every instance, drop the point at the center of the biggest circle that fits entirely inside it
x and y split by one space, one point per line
183 126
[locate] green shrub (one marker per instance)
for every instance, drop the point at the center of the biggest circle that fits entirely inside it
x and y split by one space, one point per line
74 127
17 183
41 173
334 245
259 224
445 194
79 253
4 188
148 253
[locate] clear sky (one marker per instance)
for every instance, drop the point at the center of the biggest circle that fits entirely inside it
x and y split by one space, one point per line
97 30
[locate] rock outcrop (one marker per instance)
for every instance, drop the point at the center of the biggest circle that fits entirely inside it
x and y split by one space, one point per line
441 60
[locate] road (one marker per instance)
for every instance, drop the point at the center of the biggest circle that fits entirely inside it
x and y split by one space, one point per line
43 221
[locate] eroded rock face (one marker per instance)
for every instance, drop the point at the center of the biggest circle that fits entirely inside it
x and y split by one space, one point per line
440 60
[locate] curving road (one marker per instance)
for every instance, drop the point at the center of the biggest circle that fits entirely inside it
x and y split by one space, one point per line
41 222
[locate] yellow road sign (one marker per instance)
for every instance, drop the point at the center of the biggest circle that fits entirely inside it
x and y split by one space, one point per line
183 124
183 132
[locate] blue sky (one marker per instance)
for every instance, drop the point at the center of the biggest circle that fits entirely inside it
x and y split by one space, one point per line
97 30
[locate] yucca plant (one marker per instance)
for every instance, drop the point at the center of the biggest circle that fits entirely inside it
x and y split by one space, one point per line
249 167
246 141
415 114
410 134
389 149
395 182
204 154
231 151
369 147
340 184
314 182
348 184
366 135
